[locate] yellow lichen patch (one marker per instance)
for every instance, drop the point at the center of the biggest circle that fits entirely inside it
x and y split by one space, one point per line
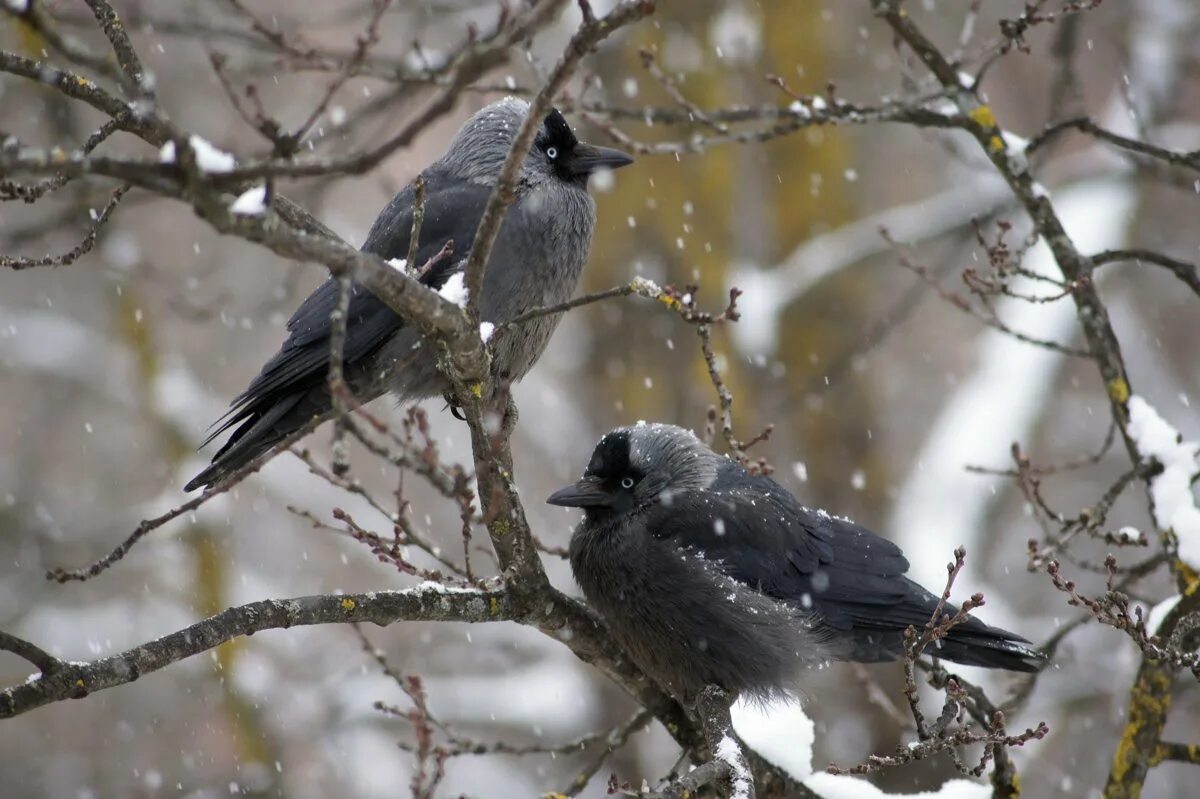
349 604
983 115
1011 790
1118 389
670 302
1149 701
495 606
1188 576
477 389
79 683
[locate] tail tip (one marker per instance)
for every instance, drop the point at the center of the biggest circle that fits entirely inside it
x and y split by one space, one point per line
202 480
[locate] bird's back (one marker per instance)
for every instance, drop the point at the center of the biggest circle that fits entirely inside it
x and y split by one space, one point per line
851 579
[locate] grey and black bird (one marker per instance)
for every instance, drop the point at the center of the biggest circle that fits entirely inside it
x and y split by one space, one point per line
709 575
536 261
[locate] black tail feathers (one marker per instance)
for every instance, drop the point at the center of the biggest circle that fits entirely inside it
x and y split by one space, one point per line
989 647
261 430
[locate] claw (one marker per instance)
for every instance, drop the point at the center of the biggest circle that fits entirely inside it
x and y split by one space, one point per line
455 409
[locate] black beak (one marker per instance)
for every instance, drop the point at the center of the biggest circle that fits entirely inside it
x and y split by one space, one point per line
587 493
587 158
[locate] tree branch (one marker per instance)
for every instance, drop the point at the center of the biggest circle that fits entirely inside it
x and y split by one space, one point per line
46 663
425 603
1183 270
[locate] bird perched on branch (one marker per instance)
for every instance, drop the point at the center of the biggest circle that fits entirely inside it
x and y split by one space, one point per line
709 575
536 261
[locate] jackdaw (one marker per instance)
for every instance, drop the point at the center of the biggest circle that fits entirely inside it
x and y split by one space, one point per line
710 575
536 260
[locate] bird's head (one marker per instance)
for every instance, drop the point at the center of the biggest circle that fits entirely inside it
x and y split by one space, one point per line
636 466
478 151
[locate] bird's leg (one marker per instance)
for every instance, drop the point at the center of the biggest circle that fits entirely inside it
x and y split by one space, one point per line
509 422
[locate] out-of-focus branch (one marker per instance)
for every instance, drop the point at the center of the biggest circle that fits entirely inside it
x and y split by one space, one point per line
77 87
10 190
127 57
1179 752
35 16
1183 270
1133 147
785 121
47 664
80 249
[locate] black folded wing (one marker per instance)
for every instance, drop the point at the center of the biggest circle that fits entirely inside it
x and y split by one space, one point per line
851 579
286 393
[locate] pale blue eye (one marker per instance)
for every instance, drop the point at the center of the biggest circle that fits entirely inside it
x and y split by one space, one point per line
627 482
552 153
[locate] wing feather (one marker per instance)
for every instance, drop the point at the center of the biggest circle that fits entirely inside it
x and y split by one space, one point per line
452 211
764 537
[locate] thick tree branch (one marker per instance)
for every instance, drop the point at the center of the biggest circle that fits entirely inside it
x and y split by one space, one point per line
727 762
1150 697
426 603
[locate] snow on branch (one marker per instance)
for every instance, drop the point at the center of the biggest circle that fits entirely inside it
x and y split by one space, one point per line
1171 488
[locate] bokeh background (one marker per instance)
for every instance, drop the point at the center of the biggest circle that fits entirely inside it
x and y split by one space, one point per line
881 394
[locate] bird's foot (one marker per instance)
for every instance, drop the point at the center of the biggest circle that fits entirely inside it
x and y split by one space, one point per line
455 409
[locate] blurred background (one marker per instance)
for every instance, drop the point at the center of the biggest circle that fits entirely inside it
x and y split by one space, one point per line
881 393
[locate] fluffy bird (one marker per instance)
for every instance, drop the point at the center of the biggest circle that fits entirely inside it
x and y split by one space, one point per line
539 253
710 575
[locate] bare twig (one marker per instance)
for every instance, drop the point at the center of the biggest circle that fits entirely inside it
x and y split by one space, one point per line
47 664
149 525
80 249
1183 270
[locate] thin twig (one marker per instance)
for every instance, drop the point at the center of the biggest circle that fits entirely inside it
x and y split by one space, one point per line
69 257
